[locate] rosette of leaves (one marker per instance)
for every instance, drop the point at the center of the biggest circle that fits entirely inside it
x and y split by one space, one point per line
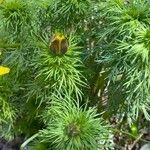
56 73
72 127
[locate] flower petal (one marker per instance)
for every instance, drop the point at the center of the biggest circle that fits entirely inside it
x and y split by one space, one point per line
4 70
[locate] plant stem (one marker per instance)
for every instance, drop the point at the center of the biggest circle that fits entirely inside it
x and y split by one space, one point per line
28 140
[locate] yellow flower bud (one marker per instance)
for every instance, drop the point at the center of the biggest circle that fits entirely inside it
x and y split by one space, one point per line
59 44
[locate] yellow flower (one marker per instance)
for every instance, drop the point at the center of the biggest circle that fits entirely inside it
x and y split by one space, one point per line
4 70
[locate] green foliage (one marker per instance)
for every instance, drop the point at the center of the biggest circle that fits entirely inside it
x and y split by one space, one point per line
71 12
16 17
106 64
74 127
38 146
7 109
124 18
127 55
56 74
7 114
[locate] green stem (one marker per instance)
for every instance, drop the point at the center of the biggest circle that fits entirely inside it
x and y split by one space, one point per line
28 140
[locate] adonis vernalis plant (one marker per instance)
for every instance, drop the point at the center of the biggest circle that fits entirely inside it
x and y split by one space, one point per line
72 69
